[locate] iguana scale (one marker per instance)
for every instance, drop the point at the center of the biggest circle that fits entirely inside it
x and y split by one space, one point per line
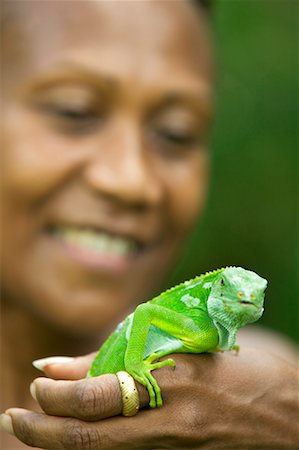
199 315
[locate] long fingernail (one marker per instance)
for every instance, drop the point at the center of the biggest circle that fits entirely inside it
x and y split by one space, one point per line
40 364
6 423
33 390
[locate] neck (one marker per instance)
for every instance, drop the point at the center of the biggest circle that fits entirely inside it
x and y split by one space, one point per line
227 336
25 337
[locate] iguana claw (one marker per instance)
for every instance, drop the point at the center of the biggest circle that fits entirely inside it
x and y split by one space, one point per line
143 375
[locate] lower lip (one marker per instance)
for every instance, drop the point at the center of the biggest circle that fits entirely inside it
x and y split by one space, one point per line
102 262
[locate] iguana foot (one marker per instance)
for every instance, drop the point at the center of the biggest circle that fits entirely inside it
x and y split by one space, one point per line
141 372
144 377
236 349
153 357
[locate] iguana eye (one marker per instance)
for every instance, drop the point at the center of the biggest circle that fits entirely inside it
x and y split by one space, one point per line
240 294
253 297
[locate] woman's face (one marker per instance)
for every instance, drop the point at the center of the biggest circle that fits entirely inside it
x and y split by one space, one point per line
107 107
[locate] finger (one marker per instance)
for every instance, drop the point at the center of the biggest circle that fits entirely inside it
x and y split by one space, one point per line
32 428
88 399
48 432
64 368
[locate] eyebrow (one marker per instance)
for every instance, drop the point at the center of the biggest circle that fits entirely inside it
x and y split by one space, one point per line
196 96
73 72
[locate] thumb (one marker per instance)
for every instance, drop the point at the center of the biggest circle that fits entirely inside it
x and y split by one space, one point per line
65 367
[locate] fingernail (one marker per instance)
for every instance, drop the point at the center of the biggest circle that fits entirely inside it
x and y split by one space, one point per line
6 423
40 364
33 390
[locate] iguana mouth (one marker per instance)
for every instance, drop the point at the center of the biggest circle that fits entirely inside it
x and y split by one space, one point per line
246 302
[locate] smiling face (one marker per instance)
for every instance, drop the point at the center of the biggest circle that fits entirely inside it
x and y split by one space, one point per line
107 108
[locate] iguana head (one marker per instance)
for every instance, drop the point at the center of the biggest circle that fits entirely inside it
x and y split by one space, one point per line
236 298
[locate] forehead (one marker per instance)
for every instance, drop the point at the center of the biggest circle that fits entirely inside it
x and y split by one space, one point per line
132 38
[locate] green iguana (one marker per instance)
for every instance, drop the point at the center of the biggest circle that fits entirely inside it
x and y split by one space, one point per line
200 315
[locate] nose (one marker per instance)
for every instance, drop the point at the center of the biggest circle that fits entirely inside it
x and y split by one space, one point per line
120 168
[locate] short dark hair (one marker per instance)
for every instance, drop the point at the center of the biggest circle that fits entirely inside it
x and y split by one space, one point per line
206 4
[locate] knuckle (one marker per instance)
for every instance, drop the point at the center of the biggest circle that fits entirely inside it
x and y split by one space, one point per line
89 400
193 422
80 437
24 432
187 368
183 430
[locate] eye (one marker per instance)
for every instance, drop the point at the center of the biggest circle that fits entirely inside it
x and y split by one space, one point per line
70 109
253 297
177 125
176 137
70 115
240 294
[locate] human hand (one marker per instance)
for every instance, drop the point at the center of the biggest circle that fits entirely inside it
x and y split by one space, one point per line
210 401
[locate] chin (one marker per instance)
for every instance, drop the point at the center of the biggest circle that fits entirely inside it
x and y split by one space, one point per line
82 316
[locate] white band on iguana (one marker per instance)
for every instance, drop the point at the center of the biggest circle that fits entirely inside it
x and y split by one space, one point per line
129 393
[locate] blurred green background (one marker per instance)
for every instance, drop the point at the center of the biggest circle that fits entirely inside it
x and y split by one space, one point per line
251 215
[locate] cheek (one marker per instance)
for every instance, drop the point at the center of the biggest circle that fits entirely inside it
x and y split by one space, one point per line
34 160
187 186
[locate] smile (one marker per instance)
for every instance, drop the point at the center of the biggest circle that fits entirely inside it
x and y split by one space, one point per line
96 241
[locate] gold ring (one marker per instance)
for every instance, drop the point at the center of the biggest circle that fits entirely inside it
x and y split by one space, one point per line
129 394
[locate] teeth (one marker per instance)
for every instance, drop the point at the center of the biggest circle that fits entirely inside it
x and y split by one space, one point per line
96 241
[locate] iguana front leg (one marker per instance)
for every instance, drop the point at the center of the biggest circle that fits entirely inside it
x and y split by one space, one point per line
176 324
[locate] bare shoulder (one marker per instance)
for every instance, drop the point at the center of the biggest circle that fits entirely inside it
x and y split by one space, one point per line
261 338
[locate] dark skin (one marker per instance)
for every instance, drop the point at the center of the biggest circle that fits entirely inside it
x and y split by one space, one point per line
235 408
99 135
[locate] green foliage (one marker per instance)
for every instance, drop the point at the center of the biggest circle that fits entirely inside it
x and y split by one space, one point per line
251 215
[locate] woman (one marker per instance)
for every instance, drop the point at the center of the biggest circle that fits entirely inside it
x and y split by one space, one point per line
107 111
